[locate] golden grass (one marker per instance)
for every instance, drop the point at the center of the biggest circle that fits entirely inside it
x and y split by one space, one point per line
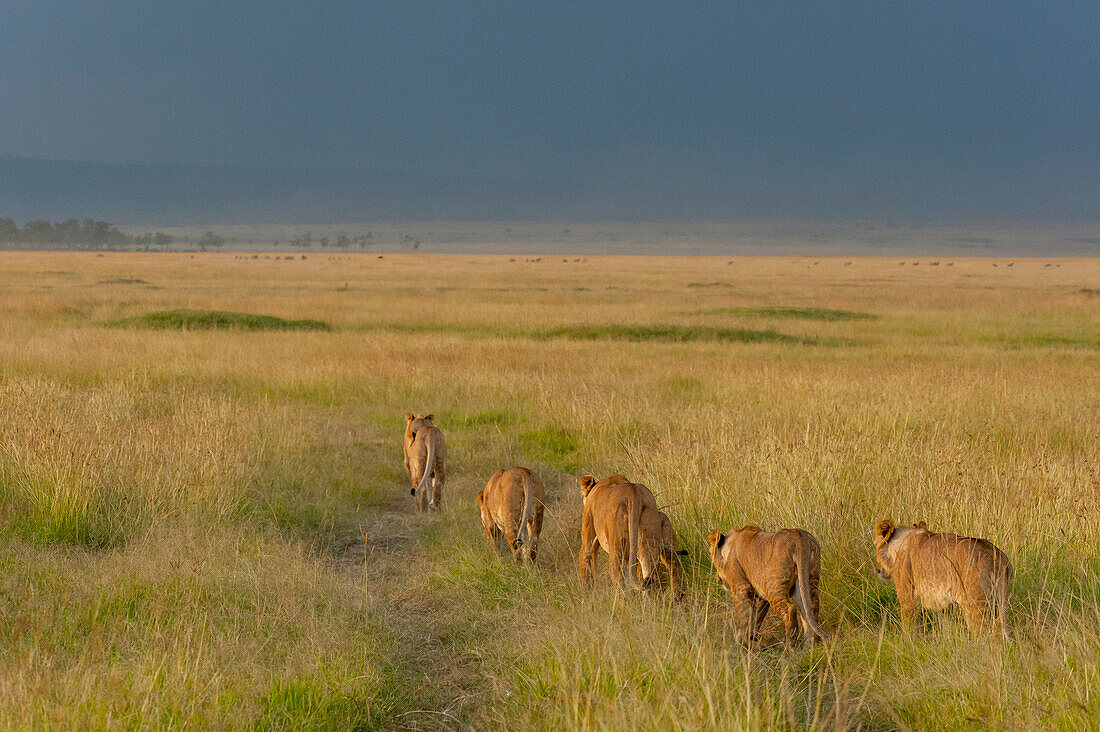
211 528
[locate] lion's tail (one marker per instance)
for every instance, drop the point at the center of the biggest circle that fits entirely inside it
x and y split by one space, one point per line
635 507
523 536
803 601
429 465
1004 572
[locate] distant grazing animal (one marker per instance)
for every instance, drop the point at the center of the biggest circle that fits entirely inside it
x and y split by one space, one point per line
623 518
941 570
776 569
425 460
512 506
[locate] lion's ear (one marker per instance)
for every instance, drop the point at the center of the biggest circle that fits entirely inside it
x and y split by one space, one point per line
481 497
884 530
714 538
921 525
430 417
410 417
586 483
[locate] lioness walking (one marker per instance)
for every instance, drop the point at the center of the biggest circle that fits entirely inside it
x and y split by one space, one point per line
770 569
512 506
623 518
425 460
941 570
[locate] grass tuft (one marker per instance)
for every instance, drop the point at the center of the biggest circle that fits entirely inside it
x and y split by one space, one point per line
124 281
822 314
215 320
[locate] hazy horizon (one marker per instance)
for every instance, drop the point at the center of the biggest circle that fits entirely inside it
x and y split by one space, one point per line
274 111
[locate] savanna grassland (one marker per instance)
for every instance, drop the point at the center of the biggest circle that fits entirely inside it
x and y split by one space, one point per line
204 520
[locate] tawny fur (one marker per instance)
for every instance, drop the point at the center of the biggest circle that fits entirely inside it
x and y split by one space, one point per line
512 504
657 545
412 424
425 460
940 570
764 570
622 518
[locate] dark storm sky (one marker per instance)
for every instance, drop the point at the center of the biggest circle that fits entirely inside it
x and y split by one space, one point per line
930 101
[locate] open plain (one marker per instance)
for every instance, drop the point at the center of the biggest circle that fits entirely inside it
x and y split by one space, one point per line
210 527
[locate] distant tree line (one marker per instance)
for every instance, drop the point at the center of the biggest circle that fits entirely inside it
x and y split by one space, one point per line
88 234
92 235
341 241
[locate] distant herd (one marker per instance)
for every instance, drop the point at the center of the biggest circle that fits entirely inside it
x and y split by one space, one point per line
762 570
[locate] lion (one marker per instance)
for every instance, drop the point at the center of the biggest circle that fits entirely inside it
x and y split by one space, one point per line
425 460
623 518
511 506
770 569
412 424
941 570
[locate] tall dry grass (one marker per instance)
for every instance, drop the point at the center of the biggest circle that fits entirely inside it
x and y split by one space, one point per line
211 528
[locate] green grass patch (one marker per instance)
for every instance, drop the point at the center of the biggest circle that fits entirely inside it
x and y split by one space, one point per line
124 281
215 320
822 314
495 418
309 702
633 333
551 446
1047 340
466 330
666 334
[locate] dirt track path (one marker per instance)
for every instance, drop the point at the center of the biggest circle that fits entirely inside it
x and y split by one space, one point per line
439 688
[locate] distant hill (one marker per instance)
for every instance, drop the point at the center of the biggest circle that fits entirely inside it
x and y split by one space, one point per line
176 195
33 188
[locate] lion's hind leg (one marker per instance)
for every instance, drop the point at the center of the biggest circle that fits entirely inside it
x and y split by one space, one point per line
759 609
976 612
616 562
984 609
646 572
437 489
788 613
534 528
